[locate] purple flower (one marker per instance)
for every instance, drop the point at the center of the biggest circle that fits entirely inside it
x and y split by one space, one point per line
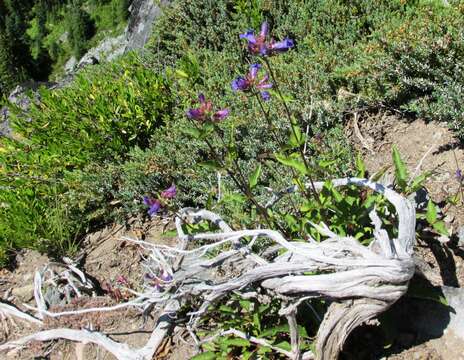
205 111
170 192
157 282
281 46
459 175
258 45
154 205
165 276
252 82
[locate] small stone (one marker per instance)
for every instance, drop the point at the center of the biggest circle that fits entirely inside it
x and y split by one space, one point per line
461 236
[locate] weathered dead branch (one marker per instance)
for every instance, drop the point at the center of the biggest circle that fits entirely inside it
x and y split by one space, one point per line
360 282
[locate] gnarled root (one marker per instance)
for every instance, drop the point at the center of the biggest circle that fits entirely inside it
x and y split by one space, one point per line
361 281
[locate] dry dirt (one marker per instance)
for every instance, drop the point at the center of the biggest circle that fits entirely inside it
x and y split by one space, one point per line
424 146
107 257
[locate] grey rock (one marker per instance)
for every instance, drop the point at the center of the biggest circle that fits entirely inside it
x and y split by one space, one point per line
21 96
441 326
70 65
461 237
455 298
105 50
64 37
143 15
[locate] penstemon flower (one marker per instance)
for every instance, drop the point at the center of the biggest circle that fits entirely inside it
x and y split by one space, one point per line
259 45
459 175
155 205
251 82
205 112
170 192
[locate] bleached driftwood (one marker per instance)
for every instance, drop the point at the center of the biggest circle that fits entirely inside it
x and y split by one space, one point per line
360 282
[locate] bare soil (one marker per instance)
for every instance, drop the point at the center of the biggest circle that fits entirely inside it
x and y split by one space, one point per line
424 147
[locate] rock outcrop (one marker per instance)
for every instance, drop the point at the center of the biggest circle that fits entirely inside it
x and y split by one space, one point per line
135 36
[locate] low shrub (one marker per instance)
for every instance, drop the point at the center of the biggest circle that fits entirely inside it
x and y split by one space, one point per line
96 119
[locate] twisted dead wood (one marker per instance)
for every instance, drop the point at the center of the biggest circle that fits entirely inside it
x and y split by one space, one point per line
360 282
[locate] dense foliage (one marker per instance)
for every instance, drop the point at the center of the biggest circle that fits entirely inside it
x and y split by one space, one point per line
96 120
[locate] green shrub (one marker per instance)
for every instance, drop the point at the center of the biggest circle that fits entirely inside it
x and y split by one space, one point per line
95 120
403 54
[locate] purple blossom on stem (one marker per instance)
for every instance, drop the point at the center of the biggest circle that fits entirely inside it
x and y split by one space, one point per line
459 175
205 111
252 82
154 205
259 45
170 192
157 282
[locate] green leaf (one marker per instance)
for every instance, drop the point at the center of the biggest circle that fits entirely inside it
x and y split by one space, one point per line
284 345
236 342
401 171
273 331
441 228
181 74
425 291
297 138
360 166
193 132
431 215
209 355
292 162
210 164
377 175
227 309
418 181
254 177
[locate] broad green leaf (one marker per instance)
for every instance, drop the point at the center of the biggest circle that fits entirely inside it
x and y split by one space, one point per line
193 132
209 355
296 136
181 74
254 177
275 330
264 349
418 181
377 175
431 215
227 309
210 164
441 228
360 166
284 345
292 162
401 171
425 291
236 342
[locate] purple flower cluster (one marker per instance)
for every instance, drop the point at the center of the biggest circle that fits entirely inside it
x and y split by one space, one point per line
257 45
158 282
154 205
252 82
205 112
260 45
